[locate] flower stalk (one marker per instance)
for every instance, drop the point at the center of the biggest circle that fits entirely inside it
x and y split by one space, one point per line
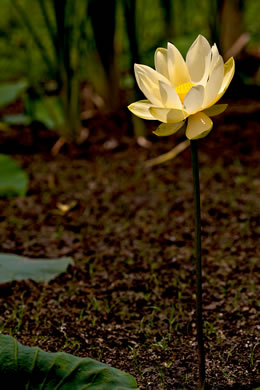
199 320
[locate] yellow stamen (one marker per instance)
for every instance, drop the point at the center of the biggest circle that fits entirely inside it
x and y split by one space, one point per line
183 89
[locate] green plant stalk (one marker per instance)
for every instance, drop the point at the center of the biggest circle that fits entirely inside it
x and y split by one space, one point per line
66 38
199 320
67 25
35 36
49 26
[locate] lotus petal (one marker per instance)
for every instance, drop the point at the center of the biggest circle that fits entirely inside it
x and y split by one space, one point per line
177 68
167 115
214 83
199 125
198 60
161 62
152 74
215 110
214 58
141 109
166 129
229 70
150 91
169 96
148 81
194 98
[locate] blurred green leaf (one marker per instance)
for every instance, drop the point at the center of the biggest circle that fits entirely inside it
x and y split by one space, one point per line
13 180
9 92
14 267
23 367
17 119
49 111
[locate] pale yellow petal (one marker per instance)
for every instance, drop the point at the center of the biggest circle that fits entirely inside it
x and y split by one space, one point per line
199 125
198 60
215 110
229 70
194 99
141 109
150 91
177 68
148 88
148 81
166 129
152 74
169 96
214 57
214 83
160 61
167 115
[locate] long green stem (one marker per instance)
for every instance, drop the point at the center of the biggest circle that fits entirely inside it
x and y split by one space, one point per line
199 321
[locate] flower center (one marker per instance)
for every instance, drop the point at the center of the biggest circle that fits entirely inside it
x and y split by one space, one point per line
183 89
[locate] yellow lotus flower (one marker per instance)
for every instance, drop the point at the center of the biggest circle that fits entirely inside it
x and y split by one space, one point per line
179 89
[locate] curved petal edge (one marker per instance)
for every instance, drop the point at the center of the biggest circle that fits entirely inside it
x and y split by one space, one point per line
199 126
141 109
166 129
215 110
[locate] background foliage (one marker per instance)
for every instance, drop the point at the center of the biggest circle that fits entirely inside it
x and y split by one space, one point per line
189 18
68 43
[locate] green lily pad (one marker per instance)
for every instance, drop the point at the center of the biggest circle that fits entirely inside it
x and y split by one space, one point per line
13 180
23 367
14 267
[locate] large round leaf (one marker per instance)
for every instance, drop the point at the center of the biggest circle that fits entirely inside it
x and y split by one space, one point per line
30 368
14 267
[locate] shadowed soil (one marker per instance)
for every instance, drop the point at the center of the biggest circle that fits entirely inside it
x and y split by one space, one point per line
129 297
